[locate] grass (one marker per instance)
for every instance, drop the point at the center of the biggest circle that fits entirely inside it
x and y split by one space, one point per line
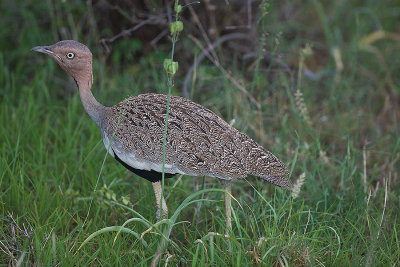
347 212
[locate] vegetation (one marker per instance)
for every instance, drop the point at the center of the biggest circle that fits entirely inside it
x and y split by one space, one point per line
316 82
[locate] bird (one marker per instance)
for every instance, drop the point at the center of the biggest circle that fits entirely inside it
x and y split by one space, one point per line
198 142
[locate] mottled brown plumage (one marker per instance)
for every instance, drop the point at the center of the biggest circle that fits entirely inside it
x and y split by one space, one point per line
199 143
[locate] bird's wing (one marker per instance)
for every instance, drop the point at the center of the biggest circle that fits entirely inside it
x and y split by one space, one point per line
198 142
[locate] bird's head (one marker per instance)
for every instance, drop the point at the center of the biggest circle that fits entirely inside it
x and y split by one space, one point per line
73 57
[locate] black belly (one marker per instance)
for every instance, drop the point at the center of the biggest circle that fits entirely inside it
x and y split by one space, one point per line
152 176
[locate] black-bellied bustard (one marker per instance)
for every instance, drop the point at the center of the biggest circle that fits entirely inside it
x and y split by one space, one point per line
198 142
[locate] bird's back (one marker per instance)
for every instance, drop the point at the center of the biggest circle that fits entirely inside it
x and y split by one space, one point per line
198 141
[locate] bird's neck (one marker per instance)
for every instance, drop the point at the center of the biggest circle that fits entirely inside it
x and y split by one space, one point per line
93 108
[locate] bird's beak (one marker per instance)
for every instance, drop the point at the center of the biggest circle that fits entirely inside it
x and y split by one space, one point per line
43 49
47 50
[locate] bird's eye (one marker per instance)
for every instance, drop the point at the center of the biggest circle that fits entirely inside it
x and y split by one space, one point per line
70 55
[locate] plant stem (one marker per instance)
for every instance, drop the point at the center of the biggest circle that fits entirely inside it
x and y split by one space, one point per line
170 84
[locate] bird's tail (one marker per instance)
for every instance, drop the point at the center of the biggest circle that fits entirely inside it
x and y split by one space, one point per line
281 181
265 165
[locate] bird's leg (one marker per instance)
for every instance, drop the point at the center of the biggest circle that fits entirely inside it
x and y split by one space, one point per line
157 191
228 211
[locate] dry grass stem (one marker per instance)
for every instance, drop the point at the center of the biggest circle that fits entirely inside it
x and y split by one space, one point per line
297 186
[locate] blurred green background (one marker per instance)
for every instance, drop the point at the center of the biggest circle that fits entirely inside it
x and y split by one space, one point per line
315 82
